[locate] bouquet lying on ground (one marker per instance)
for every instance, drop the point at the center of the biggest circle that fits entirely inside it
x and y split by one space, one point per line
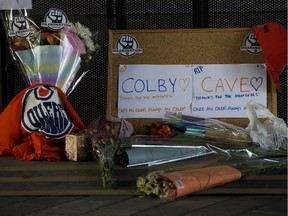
211 152
210 130
207 171
53 53
178 138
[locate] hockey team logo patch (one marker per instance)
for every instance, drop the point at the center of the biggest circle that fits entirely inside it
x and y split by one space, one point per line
20 27
55 19
42 111
127 46
251 44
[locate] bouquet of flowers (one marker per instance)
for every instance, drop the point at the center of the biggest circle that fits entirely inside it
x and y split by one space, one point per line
174 184
213 131
207 171
105 136
225 160
104 148
53 53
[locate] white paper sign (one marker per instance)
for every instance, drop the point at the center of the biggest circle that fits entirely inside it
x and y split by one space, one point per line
148 91
223 90
209 91
15 4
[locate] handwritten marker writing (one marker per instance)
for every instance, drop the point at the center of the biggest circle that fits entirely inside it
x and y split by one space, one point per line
224 85
131 85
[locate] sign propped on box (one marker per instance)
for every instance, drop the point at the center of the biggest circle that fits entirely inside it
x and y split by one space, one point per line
216 50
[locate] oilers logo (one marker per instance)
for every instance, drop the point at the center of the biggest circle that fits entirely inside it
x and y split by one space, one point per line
127 46
42 111
251 44
55 19
20 27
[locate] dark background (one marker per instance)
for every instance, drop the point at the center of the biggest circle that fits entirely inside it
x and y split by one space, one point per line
89 98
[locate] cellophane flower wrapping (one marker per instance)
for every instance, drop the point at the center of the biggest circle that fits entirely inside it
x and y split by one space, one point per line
229 157
105 135
213 131
104 148
53 51
207 171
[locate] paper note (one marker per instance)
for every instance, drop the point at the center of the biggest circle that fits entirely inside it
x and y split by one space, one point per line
208 90
223 90
148 91
15 4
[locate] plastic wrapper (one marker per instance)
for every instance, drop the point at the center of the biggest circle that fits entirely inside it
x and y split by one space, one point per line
53 51
228 155
154 150
207 171
155 155
213 131
105 135
177 138
270 134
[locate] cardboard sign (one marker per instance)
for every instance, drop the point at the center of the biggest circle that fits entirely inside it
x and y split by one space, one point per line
197 47
15 4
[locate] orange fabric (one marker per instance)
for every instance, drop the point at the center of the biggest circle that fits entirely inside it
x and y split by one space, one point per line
272 37
16 140
38 147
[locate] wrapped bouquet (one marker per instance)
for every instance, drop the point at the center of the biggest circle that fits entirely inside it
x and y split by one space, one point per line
208 171
214 153
105 136
50 56
53 52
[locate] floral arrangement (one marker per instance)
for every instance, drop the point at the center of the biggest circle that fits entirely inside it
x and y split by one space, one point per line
106 138
226 160
86 36
155 185
208 171
178 183
105 144
53 53
161 129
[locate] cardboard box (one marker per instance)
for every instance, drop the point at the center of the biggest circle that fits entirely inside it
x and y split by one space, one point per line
78 147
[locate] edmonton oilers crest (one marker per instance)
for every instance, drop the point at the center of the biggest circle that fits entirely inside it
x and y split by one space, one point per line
42 111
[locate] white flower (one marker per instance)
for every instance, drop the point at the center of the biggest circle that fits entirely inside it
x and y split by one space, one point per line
85 35
81 30
89 44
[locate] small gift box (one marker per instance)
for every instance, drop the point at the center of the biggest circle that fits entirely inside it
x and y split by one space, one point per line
78 147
